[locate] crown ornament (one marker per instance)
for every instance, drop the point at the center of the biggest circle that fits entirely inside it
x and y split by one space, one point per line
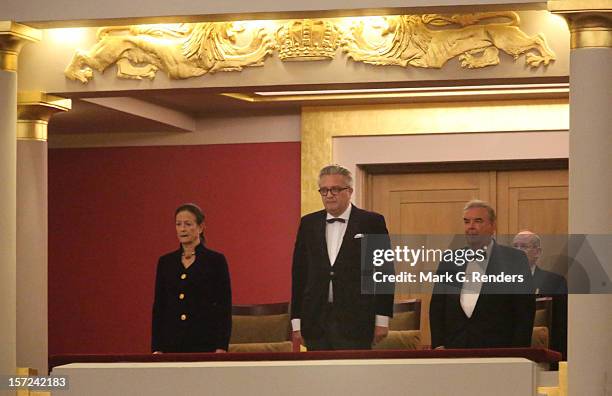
308 40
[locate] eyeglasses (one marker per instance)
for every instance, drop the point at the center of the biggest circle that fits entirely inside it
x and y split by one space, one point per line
334 190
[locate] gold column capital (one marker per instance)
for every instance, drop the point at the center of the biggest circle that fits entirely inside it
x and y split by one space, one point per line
34 110
590 21
13 36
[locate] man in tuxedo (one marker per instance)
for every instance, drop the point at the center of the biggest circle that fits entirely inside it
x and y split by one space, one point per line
466 312
547 284
328 307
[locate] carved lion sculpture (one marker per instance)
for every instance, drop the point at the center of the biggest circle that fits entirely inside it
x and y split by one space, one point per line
182 51
477 44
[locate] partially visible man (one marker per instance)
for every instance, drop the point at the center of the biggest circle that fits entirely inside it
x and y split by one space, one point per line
476 314
544 282
327 304
547 284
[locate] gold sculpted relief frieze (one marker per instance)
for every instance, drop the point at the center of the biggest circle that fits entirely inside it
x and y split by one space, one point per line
426 41
431 40
308 40
182 50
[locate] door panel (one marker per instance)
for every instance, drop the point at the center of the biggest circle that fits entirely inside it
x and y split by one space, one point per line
536 201
532 200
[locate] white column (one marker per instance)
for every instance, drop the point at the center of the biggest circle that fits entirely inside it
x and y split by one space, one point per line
34 111
8 148
12 38
590 190
590 194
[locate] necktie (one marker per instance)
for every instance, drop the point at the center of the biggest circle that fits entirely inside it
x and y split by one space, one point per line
339 219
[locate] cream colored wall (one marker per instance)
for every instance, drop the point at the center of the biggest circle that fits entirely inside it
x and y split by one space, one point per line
63 11
250 129
42 65
342 377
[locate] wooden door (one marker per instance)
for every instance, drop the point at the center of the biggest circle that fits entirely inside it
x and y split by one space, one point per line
532 200
422 203
536 201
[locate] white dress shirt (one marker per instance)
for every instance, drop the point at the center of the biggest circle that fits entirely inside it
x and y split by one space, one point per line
334 233
471 291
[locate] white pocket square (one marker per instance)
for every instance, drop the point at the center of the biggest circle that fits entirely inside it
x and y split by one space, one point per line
358 236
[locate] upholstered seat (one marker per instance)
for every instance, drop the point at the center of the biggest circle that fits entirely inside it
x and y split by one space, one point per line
542 323
404 327
400 339
260 328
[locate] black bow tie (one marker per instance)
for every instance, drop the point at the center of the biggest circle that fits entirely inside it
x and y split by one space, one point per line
340 219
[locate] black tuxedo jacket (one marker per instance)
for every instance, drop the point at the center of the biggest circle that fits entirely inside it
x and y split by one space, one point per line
312 271
548 283
503 316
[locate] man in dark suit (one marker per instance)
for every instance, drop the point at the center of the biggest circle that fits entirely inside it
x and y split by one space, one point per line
547 284
466 312
328 306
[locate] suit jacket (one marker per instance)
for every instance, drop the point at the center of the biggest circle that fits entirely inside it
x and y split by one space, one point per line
202 293
503 316
548 283
312 272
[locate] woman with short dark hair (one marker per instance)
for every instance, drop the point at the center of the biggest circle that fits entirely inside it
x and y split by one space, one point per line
193 298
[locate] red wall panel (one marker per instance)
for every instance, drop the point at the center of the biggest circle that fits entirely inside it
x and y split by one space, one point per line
111 215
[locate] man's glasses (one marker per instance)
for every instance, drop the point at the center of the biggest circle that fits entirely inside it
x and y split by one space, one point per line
334 190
